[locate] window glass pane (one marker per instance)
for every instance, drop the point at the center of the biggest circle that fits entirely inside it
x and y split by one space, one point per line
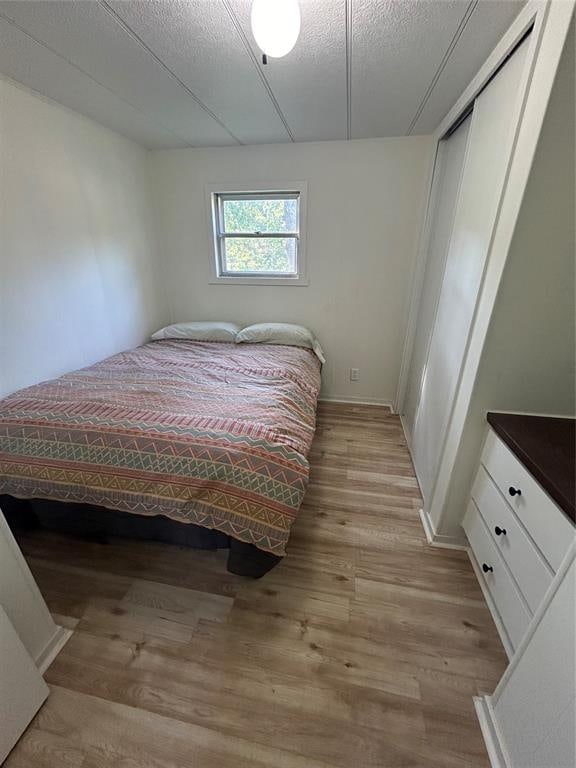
268 254
260 215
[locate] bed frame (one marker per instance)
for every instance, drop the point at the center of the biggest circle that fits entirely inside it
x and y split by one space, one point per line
98 523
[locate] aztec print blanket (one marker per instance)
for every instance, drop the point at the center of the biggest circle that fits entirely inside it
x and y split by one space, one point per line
214 434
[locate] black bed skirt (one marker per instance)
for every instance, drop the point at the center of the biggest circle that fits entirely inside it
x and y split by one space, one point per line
98 523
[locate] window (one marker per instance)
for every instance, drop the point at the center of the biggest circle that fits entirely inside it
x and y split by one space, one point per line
258 236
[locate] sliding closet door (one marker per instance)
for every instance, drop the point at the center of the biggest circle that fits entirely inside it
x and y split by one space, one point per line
488 151
447 175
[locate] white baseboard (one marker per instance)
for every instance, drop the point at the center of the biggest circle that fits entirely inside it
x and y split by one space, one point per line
439 539
351 400
52 648
485 714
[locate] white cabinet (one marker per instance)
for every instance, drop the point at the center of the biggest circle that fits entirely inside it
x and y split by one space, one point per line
518 537
539 515
530 720
24 604
505 598
22 689
508 535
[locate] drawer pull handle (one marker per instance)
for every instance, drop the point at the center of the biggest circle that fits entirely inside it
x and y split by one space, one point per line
514 491
500 531
487 568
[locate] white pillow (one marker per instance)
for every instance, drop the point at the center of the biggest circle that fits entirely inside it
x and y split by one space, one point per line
203 331
281 333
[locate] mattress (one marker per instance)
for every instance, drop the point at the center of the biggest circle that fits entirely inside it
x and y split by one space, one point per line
208 433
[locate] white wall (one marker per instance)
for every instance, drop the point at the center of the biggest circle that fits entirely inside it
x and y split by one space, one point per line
529 359
77 272
365 205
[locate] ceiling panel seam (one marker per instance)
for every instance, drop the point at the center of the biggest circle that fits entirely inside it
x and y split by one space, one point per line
70 63
263 78
466 18
348 21
121 23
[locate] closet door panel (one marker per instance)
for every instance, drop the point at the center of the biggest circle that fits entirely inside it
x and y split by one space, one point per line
489 144
447 175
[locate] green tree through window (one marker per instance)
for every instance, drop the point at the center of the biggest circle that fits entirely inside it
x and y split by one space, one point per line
255 216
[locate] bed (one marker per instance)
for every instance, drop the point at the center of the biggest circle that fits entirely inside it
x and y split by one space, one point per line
209 435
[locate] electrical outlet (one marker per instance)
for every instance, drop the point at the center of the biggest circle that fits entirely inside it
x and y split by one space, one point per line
354 374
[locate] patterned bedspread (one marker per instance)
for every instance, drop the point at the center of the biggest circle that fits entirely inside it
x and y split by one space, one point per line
214 434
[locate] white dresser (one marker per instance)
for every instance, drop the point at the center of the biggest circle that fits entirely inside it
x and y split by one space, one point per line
518 537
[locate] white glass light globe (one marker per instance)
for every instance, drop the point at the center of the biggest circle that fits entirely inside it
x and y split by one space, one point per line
276 25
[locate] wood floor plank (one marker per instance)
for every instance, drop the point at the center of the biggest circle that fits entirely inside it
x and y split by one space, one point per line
364 647
115 734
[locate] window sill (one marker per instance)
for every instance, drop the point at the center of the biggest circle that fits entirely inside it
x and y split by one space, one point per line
269 281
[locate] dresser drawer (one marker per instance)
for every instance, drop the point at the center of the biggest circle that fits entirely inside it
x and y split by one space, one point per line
545 523
509 603
527 565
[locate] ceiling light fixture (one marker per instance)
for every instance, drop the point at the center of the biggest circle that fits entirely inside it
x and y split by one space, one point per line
275 26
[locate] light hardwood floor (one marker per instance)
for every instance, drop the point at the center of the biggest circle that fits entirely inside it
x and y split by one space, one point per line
363 648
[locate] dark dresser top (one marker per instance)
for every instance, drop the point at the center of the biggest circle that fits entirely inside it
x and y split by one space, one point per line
546 446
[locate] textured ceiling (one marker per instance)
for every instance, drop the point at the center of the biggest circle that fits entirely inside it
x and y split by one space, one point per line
177 73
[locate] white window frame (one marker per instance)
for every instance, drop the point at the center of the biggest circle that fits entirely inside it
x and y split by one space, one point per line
216 192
